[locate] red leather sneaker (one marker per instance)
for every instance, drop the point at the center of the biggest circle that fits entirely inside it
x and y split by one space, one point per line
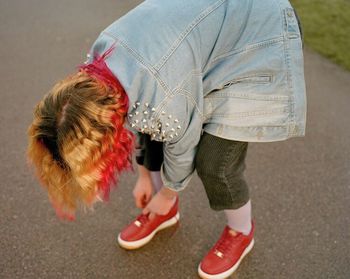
226 255
142 230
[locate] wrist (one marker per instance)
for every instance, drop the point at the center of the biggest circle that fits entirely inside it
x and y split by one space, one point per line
143 172
168 193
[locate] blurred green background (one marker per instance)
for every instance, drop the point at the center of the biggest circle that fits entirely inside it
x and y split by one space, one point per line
326 26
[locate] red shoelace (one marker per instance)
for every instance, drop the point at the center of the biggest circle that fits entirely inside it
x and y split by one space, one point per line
226 243
143 219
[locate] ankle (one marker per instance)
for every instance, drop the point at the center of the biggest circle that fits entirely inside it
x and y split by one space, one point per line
245 230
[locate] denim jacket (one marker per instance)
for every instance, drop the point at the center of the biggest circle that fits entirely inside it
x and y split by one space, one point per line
231 68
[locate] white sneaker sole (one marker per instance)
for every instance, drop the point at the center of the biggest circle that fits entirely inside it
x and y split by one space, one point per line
228 272
131 245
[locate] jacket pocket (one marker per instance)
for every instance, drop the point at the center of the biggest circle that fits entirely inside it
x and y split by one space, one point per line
258 79
249 101
255 87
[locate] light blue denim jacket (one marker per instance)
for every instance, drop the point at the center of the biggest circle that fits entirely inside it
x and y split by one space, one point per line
231 68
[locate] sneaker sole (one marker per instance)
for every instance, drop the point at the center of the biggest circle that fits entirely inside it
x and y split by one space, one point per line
228 272
131 245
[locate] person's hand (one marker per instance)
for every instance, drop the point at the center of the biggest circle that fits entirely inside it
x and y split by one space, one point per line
143 191
161 203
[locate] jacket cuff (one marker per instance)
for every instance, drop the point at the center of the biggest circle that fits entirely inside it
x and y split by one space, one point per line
175 186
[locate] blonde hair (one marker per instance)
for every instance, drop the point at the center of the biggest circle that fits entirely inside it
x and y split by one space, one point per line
77 141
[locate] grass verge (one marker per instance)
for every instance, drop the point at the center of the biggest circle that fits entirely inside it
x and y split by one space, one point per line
326 27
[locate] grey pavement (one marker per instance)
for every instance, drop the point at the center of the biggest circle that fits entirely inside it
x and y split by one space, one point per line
300 188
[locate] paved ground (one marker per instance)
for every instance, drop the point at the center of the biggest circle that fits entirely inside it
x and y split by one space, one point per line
300 188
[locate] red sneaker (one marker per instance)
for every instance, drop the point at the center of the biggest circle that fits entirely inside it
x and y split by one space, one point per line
142 230
226 255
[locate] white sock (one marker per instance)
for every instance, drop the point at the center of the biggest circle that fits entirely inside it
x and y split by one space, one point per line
156 180
240 219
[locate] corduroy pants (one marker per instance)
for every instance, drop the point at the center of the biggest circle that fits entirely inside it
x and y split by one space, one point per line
219 162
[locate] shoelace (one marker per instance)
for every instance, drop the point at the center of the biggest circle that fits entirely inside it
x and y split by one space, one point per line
143 219
225 244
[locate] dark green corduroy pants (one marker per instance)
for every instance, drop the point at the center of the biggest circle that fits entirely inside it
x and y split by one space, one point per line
220 164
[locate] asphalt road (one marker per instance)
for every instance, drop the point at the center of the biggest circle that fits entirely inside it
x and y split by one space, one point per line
300 187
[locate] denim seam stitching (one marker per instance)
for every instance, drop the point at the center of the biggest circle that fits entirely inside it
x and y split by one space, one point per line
285 127
194 72
289 73
139 58
188 30
259 45
247 96
187 94
250 114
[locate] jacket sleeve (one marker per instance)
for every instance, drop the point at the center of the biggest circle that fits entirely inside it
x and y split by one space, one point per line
171 117
180 151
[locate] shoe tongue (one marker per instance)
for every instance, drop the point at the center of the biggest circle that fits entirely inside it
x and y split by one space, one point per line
224 245
232 232
143 217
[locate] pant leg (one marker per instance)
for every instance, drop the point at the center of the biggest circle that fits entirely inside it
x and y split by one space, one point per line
220 164
150 153
140 149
